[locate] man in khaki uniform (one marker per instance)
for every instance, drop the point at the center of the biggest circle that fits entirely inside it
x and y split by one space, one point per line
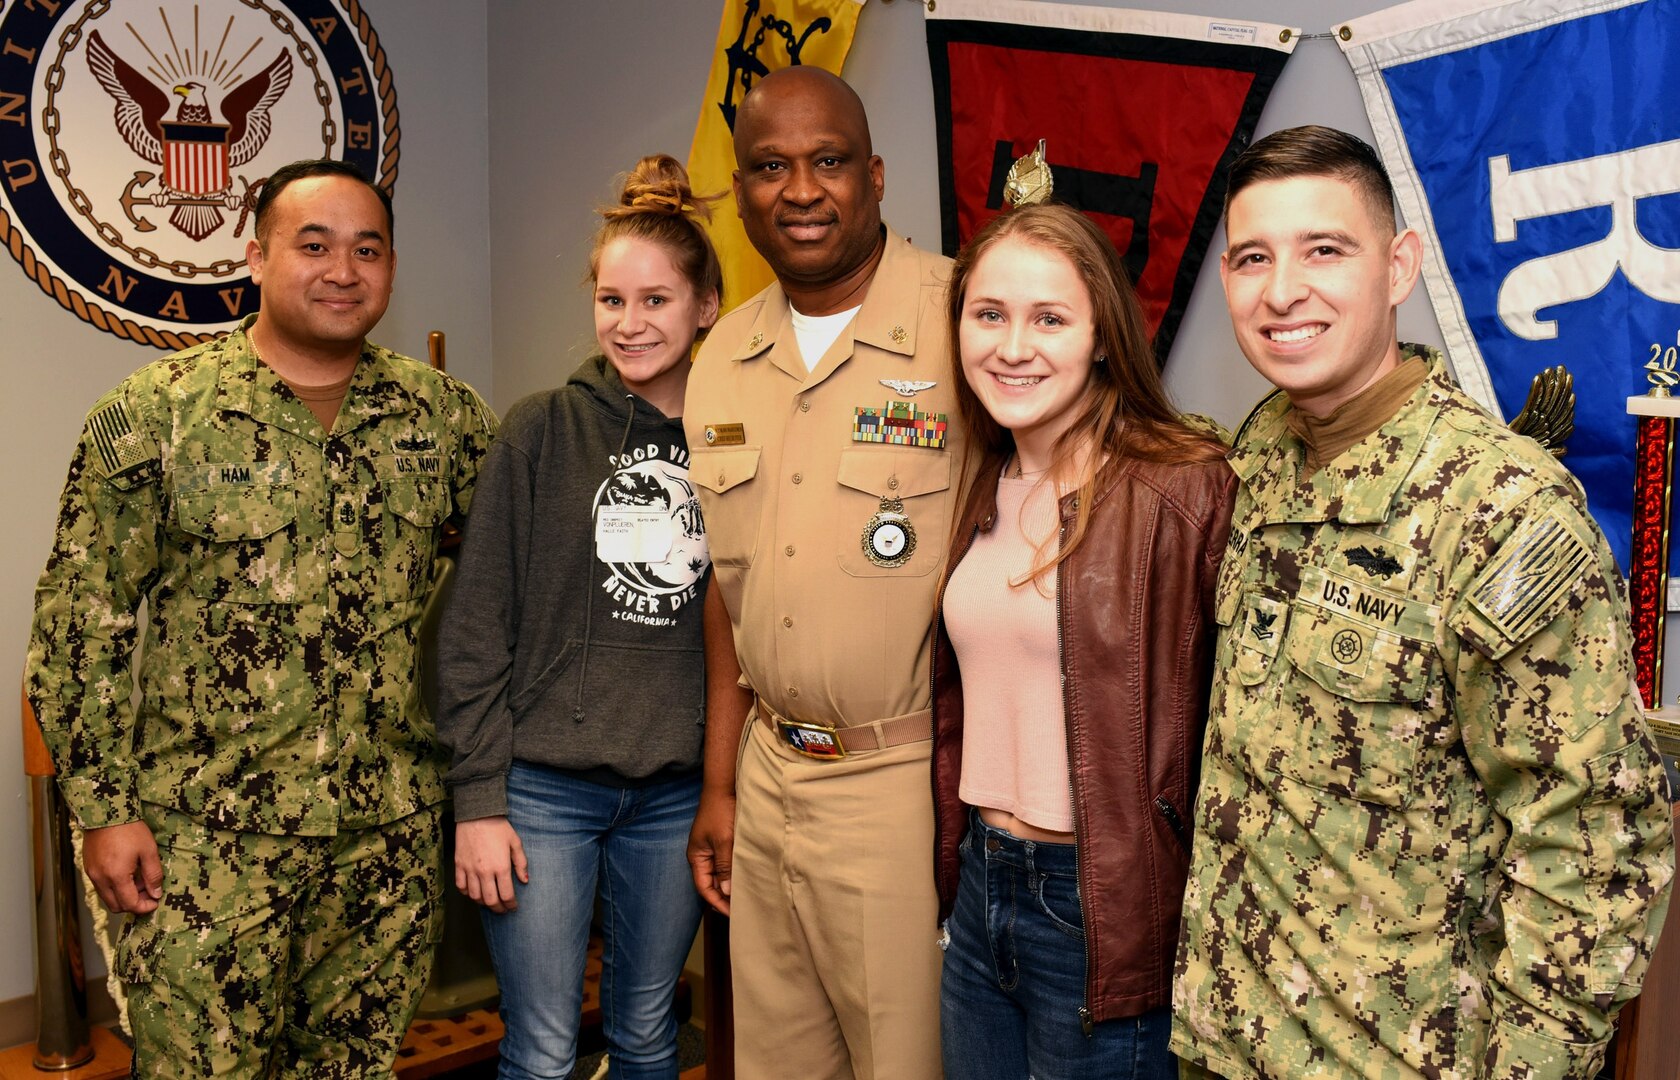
827 474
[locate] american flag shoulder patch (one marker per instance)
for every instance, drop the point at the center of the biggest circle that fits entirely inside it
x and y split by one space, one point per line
121 448
1532 574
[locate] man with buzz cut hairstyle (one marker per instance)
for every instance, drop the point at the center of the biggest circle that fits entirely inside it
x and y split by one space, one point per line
266 807
1433 837
827 540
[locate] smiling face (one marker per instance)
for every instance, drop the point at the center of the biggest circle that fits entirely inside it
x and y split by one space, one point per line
325 266
646 317
1026 339
1312 278
807 185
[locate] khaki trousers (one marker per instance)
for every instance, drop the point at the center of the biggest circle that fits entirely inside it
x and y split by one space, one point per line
833 935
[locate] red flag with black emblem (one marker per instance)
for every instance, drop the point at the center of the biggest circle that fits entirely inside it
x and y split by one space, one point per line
1142 112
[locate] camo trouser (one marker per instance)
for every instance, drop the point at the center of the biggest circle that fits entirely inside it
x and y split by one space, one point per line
282 956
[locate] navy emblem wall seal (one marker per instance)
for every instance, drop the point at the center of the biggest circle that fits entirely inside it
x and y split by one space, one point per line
134 140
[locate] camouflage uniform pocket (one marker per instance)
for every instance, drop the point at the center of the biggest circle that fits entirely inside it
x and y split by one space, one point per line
248 536
1364 706
415 509
137 944
1258 627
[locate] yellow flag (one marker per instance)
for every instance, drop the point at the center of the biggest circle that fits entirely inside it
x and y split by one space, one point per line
755 38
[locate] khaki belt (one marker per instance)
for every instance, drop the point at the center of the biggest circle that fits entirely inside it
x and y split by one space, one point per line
825 743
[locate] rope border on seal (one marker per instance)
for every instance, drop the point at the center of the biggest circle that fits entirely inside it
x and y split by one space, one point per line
121 326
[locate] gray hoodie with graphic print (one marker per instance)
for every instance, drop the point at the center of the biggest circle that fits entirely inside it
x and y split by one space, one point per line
572 636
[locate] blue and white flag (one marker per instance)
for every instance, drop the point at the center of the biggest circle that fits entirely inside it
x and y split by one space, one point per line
1535 145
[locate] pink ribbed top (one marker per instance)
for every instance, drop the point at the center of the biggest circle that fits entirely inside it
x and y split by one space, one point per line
1014 733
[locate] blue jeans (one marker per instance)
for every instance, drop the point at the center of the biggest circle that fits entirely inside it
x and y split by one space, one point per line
631 842
1014 977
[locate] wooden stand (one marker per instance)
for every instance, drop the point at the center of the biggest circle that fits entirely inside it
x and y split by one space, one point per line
111 1061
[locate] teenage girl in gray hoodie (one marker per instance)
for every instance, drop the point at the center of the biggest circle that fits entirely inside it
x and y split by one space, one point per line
570 662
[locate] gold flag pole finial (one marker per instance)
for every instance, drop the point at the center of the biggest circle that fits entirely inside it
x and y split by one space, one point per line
1028 180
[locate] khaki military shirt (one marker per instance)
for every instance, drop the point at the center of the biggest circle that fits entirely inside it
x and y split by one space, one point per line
284 569
789 481
1433 827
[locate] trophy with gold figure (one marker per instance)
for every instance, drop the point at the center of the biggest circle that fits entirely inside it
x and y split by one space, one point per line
1653 487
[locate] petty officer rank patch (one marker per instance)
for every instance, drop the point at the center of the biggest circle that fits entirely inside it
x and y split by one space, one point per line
1263 625
900 423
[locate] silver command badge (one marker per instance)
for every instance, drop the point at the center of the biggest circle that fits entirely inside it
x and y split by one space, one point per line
889 539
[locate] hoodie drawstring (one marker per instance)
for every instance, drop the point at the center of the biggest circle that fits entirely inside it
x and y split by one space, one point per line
589 595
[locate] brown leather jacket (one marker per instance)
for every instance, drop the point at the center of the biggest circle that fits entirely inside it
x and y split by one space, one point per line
1134 606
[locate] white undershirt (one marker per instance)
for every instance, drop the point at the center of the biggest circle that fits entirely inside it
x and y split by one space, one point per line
816 333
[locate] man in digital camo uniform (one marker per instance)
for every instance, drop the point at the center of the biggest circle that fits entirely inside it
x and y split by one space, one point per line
1433 834
267 808
817 414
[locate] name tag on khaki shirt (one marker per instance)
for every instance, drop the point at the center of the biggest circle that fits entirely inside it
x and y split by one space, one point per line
726 435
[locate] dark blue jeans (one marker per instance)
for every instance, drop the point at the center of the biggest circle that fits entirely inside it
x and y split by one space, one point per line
1014 977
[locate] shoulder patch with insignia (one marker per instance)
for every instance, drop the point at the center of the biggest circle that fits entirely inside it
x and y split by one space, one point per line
121 448
1531 576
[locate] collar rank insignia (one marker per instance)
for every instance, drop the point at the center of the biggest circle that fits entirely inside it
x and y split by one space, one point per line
899 423
908 387
1377 564
897 335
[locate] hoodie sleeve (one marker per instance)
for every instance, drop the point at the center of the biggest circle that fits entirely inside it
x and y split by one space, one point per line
480 629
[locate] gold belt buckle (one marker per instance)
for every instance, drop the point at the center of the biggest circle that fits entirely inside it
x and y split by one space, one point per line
813 740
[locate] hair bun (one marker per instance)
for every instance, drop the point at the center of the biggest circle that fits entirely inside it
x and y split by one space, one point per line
660 200
656 204
657 185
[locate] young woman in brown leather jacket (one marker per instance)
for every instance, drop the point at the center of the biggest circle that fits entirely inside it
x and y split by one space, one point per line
1071 664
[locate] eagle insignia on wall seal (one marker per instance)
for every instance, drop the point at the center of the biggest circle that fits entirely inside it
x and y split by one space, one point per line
135 139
